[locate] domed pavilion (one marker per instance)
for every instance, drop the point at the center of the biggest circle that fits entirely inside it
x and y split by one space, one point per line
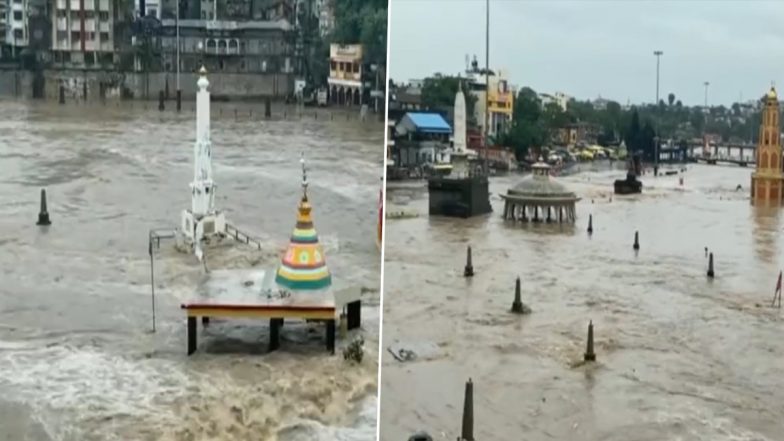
538 198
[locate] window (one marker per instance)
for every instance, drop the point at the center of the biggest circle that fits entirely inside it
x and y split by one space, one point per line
89 14
18 34
61 13
91 36
103 15
104 36
62 36
333 65
18 15
76 36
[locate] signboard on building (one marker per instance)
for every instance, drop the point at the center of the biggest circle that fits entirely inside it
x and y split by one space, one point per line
348 52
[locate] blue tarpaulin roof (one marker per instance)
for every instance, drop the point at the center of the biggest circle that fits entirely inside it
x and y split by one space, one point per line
429 122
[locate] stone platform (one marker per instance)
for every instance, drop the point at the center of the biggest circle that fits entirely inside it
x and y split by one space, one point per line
254 294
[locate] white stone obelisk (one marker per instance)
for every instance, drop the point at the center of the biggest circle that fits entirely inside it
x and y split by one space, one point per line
202 220
460 150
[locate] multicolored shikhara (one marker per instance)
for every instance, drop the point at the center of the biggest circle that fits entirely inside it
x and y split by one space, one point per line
304 266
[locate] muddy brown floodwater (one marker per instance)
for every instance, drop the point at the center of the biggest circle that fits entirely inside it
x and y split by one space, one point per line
679 357
77 360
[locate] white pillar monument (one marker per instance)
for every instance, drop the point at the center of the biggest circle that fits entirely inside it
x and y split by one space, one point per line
459 156
202 221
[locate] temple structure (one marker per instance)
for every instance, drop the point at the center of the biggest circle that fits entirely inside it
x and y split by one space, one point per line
202 221
538 198
465 191
301 287
767 181
304 266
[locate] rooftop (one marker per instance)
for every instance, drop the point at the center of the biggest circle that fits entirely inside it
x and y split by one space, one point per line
429 122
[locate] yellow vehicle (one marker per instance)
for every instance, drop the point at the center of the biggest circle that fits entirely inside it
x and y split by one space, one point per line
585 155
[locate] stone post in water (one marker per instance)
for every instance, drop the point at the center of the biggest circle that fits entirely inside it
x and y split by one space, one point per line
517 305
589 354
710 266
267 108
467 432
160 100
43 214
469 267
590 224
636 245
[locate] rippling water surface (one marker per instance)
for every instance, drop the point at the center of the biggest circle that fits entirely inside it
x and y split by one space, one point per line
680 357
78 360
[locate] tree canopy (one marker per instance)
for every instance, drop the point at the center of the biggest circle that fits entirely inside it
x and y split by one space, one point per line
438 93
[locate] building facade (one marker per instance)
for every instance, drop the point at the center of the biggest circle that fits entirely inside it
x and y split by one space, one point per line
345 74
767 180
16 32
226 46
559 98
3 21
83 33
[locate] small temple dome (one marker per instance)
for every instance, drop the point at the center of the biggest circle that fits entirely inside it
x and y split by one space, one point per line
539 193
203 82
304 265
771 95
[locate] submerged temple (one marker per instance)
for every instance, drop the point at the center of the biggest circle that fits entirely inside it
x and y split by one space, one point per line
767 181
539 198
304 266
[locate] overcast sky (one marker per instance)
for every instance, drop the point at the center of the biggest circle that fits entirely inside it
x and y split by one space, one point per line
590 48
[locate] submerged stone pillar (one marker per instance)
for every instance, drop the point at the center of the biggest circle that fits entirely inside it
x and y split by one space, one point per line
468 271
43 213
589 354
467 431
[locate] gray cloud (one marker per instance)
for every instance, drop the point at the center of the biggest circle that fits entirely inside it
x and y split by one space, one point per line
595 47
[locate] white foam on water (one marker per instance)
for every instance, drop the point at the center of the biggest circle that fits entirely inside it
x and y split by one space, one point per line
83 383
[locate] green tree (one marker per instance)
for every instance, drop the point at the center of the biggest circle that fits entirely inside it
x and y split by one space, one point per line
364 22
527 130
438 93
671 98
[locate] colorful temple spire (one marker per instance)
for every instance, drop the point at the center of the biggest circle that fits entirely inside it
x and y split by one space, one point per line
304 265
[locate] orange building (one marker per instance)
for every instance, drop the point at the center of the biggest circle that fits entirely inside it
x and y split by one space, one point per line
767 181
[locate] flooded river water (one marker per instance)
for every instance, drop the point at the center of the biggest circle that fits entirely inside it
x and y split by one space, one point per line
77 360
679 357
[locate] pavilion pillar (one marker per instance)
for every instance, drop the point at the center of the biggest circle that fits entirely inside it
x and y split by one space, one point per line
560 215
548 215
506 209
523 213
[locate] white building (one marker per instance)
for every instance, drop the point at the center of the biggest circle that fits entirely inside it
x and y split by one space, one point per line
151 8
16 31
3 20
559 98
83 39
326 16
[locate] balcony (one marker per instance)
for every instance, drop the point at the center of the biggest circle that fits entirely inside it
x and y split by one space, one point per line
62 24
89 5
103 5
62 4
89 25
105 26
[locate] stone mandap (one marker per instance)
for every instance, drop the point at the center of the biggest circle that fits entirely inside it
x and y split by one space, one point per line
538 198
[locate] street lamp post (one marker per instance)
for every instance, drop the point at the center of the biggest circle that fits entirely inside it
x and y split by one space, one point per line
177 26
658 55
706 84
487 79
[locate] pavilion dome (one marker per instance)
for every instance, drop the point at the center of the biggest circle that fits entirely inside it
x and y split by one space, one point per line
540 185
304 265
